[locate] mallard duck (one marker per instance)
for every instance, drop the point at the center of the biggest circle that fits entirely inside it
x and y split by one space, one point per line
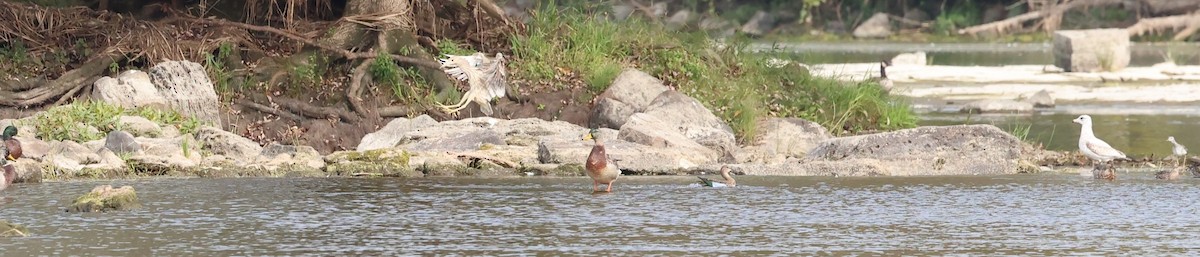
729 182
1097 150
10 150
599 167
1178 150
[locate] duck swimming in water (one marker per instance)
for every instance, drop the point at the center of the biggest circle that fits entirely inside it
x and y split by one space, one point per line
10 150
727 182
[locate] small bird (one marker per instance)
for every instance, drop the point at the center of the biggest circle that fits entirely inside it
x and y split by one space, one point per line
10 150
729 182
598 166
1097 150
1178 150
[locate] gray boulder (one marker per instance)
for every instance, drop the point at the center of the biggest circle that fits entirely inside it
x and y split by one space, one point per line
945 150
997 106
130 89
393 133
629 93
186 88
1041 99
139 126
1091 50
222 142
780 139
70 156
649 130
275 156
121 142
475 139
675 112
759 24
680 19
878 26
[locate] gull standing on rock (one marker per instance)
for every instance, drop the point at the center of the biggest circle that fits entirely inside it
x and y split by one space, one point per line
1097 149
1179 151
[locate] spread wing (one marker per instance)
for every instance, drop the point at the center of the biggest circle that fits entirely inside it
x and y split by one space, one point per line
496 77
1103 149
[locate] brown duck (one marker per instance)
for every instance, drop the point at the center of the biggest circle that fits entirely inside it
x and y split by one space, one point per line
599 168
728 180
9 151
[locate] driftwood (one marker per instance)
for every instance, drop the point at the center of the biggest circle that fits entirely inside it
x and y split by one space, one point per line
1185 24
1015 21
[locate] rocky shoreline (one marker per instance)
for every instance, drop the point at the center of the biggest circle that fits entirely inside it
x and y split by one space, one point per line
654 131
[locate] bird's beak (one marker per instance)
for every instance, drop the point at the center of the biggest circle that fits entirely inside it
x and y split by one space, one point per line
1076 121
587 136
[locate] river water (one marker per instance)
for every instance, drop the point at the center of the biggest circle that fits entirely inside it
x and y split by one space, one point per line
1137 128
1039 214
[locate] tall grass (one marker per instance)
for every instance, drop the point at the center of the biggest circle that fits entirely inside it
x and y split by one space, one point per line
735 83
90 120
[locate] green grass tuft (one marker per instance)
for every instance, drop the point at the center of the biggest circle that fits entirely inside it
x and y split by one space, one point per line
91 120
733 82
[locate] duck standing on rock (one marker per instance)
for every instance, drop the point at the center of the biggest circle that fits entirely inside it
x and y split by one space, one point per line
10 150
599 168
1097 150
728 182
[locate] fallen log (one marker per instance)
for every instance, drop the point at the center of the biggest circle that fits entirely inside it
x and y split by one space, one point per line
1015 21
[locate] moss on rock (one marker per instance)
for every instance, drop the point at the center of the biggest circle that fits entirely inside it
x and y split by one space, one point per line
106 198
389 162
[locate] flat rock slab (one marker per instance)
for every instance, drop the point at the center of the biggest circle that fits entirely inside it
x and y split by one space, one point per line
1002 74
922 151
1177 92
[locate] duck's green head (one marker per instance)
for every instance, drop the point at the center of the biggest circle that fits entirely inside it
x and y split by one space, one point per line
10 131
592 133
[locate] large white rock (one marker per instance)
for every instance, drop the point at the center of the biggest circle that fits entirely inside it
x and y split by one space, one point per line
878 26
130 89
187 88
631 92
393 133
1091 50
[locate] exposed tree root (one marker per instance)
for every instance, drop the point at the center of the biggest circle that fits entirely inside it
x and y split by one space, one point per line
1016 21
354 91
268 109
294 36
316 112
64 87
1186 24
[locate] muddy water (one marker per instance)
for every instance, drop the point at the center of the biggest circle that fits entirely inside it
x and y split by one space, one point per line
1042 214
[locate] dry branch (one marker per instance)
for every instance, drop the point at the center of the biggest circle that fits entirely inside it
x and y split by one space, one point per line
301 38
1176 22
1015 21
315 112
354 91
268 109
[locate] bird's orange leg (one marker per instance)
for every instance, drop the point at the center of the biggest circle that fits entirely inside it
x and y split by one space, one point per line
595 186
609 189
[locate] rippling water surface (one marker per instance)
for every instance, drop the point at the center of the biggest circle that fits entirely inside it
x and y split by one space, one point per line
1043 214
